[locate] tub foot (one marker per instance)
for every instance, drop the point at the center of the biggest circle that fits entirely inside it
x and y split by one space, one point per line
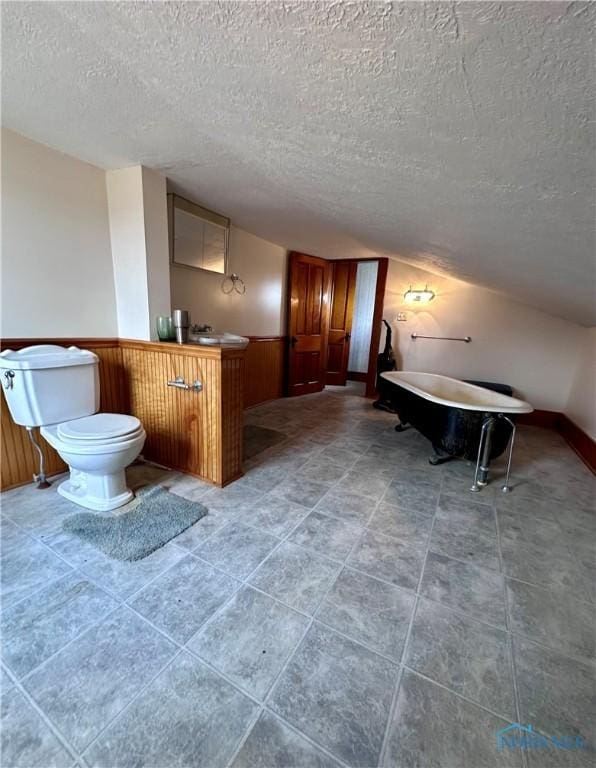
439 457
437 460
383 405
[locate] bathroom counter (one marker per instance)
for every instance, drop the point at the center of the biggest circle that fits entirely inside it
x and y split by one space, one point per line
213 351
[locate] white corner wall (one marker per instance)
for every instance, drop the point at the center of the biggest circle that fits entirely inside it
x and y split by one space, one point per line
57 278
139 239
155 208
260 311
581 404
127 233
511 343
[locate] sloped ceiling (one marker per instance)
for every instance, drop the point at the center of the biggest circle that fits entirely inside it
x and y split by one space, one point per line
456 136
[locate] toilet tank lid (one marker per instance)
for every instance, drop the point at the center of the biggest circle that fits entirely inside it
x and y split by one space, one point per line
46 356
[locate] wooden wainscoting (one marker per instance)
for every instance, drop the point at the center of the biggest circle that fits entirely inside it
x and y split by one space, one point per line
18 462
231 433
264 369
199 433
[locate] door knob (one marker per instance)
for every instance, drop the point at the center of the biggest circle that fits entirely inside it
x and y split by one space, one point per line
293 341
348 336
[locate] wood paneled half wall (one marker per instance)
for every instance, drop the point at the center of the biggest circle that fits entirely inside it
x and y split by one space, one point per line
196 432
264 369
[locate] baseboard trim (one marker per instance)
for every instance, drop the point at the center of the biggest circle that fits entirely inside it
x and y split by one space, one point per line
357 376
579 440
573 435
539 418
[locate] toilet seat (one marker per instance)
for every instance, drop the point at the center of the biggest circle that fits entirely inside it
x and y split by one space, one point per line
90 447
100 428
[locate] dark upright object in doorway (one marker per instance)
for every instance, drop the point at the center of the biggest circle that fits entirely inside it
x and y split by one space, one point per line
385 362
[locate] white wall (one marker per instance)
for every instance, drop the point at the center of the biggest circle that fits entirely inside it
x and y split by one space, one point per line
581 405
155 209
139 240
63 247
260 311
57 275
127 232
511 343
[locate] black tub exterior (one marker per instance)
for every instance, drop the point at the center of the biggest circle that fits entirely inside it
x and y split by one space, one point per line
452 431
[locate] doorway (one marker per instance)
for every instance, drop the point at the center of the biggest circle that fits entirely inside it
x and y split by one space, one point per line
362 320
334 322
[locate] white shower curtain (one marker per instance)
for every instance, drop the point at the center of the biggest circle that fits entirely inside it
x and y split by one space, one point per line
364 305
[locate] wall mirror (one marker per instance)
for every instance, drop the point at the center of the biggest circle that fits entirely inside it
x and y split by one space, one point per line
198 237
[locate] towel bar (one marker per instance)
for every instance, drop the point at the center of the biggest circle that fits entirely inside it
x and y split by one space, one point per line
467 339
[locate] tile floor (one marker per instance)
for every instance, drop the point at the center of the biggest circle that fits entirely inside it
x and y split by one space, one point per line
344 603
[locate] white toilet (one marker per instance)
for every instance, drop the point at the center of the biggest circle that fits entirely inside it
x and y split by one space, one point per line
57 388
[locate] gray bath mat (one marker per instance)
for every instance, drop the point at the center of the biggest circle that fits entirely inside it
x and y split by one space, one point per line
257 439
158 517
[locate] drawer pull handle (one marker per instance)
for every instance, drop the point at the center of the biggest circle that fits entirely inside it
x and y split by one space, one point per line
179 383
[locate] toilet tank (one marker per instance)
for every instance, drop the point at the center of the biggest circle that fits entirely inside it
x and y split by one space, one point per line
49 384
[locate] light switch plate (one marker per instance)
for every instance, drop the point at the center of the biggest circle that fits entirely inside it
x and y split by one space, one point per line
401 317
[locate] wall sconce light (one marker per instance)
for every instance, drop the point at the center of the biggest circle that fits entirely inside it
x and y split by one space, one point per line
419 295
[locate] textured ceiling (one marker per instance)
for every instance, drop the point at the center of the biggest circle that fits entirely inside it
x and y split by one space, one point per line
456 136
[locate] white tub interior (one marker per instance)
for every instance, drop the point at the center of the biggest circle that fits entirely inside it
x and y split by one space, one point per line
455 393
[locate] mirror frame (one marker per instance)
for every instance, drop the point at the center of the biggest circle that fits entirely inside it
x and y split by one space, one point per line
176 201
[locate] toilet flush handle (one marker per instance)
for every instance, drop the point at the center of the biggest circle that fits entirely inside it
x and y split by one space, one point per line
8 379
179 383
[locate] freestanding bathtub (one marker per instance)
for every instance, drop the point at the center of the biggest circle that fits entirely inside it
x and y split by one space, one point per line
459 418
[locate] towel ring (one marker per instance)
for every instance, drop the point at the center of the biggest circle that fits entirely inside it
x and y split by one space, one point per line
233 283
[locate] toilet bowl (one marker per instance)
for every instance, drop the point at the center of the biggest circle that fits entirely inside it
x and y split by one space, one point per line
97 450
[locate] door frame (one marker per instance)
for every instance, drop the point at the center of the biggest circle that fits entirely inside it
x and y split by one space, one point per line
375 336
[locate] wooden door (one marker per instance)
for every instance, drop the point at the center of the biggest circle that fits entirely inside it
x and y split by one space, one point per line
343 288
308 318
